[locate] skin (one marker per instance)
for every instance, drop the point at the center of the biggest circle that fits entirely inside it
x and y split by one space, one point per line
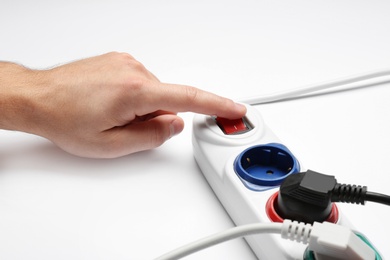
101 107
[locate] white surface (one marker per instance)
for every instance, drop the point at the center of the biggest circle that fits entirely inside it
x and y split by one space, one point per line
56 206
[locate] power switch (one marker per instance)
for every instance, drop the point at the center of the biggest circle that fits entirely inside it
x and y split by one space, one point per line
233 126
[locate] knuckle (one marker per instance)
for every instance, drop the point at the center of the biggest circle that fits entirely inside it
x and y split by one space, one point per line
121 55
129 61
126 56
227 103
191 94
135 87
136 65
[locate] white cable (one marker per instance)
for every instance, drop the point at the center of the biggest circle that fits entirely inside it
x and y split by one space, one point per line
326 240
290 230
376 75
220 237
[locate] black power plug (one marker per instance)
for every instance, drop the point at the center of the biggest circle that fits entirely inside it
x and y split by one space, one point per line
305 197
308 196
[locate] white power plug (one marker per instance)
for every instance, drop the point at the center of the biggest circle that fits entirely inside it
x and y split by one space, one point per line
328 241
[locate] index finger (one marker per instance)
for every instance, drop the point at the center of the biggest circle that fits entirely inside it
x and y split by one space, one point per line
181 98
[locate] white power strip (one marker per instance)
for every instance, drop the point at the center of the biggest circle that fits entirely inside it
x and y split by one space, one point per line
220 157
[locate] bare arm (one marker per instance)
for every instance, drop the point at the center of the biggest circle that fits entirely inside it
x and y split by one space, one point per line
105 106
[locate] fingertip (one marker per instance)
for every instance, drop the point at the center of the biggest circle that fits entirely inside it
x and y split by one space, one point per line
232 110
176 126
240 108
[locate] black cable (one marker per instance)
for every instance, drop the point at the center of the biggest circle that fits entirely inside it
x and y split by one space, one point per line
378 198
357 194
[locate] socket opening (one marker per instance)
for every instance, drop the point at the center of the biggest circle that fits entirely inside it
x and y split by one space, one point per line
266 165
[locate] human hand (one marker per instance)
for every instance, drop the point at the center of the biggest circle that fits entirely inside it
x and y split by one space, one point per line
109 106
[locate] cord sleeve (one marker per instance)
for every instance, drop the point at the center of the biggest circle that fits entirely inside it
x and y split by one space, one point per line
296 231
349 193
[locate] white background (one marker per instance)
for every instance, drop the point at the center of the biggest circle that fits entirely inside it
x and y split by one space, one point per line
57 206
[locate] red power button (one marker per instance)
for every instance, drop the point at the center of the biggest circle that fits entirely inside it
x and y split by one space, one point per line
232 127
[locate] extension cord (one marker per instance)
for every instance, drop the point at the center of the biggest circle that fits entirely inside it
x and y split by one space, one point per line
225 160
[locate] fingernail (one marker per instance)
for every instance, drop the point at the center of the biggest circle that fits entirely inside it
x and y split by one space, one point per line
240 107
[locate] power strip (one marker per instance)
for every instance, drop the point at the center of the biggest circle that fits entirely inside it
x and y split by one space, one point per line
244 163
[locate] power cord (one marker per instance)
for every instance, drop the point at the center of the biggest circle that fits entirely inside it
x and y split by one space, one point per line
378 198
380 76
325 240
357 194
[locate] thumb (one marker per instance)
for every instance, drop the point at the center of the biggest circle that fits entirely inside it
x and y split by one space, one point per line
149 134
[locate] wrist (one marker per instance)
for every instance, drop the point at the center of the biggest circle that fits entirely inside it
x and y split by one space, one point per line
20 92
